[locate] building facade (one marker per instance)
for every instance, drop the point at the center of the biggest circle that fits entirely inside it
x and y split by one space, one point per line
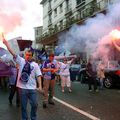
38 34
60 15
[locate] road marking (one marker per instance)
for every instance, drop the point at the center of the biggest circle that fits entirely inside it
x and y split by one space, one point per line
77 109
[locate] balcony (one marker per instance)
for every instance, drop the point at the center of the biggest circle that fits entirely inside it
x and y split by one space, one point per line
90 10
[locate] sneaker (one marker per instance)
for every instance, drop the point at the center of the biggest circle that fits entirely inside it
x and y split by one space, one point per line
96 90
17 104
70 90
63 91
90 90
44 105
101 89
51 102
10 101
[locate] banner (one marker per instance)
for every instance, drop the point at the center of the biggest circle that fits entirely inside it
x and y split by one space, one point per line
5 70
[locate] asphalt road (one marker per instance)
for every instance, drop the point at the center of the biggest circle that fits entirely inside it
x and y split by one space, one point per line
103 105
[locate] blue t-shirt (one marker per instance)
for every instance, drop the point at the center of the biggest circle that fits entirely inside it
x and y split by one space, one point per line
49 64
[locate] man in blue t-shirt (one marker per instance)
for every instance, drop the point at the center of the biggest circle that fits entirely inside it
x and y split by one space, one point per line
49 68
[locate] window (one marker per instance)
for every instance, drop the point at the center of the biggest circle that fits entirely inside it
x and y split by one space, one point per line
68 5
67 2
37 32
55 12
61 23
61 8
50 19
56 28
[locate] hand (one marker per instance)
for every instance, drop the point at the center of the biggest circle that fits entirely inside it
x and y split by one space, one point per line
39 89
4 40
54 70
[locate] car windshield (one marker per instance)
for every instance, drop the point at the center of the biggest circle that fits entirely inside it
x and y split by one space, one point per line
110 65
75 65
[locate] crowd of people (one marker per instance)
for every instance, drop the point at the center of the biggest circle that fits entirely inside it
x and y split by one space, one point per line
30 76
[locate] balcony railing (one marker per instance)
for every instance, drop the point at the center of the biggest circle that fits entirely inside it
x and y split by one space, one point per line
89 10
80 4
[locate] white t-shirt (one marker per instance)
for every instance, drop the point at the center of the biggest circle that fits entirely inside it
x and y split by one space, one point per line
31 84
64 68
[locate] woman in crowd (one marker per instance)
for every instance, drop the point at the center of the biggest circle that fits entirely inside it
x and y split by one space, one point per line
100 73
92 73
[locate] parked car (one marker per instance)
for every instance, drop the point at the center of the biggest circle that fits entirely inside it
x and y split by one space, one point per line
74 71
112 75
83 77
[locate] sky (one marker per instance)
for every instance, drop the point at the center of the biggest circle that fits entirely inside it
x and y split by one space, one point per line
19 17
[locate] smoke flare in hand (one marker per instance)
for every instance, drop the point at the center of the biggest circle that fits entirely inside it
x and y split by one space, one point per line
115 34
1 33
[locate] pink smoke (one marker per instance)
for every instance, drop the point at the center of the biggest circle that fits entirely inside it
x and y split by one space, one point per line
11 14
10 21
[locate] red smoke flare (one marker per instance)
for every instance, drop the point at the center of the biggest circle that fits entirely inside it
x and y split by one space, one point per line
10 21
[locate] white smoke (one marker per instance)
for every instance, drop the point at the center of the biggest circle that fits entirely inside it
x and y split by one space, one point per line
93 35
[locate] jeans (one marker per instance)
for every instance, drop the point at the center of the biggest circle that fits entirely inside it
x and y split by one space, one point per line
92 81
30 95
101 83
14 89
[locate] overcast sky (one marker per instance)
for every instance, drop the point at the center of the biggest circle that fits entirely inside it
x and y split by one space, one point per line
19 17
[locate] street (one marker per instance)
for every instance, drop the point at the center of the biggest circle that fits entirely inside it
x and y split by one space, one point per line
78 105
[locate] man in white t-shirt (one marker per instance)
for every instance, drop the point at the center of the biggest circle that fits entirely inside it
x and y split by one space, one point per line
28 76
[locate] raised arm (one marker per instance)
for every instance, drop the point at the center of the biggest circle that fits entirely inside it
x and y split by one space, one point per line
116 46
8 46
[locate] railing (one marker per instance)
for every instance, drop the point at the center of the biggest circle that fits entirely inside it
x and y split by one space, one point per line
84 12
80 3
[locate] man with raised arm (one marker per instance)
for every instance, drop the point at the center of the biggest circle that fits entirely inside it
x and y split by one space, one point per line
28 76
